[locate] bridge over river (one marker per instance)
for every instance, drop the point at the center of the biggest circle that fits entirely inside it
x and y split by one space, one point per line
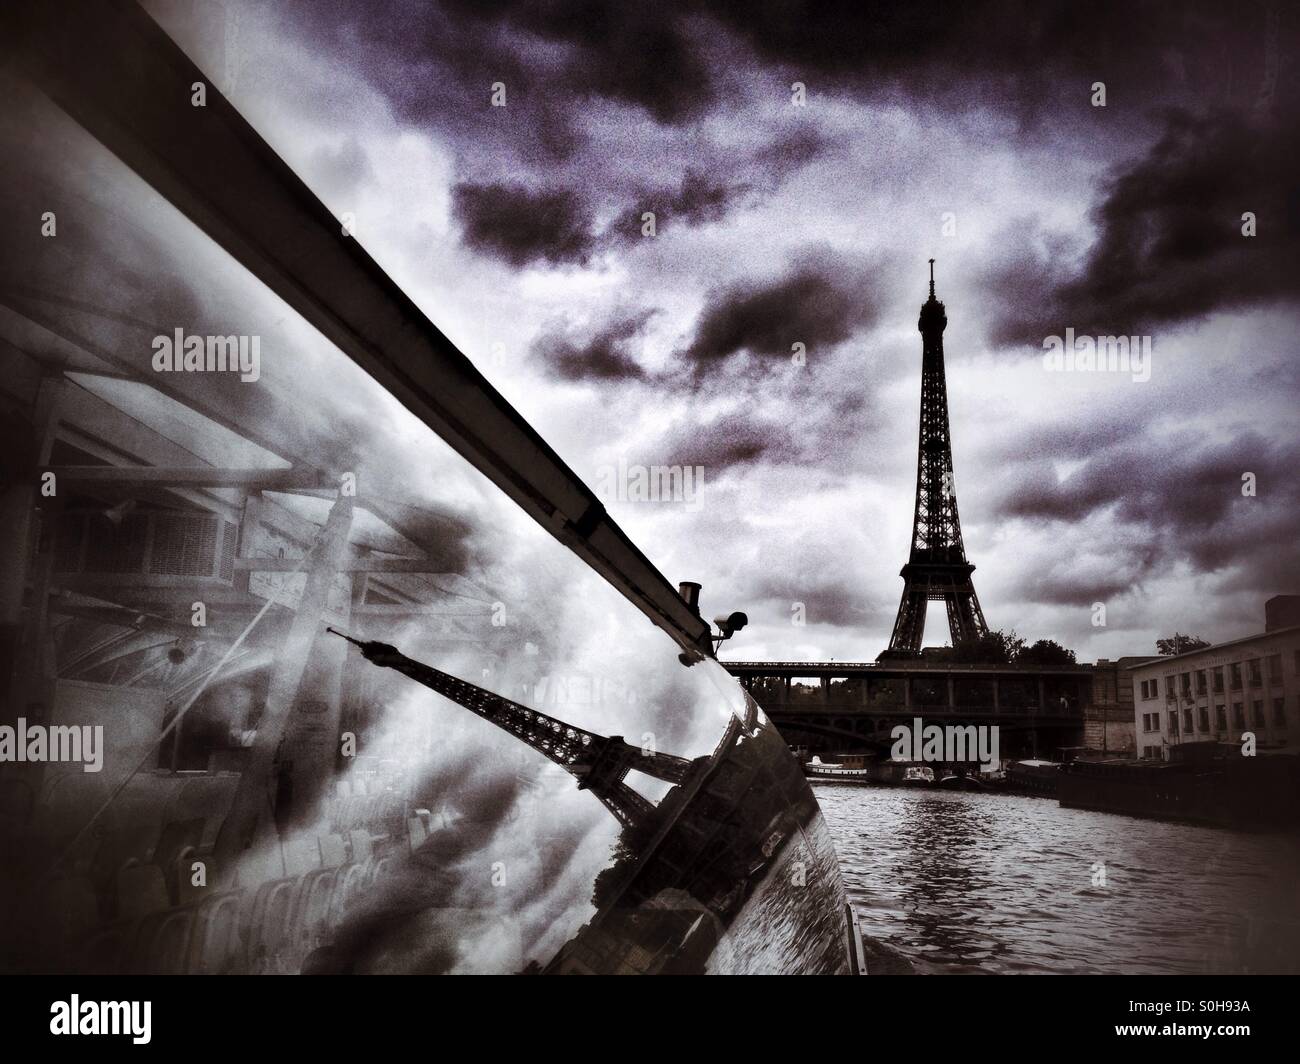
838 706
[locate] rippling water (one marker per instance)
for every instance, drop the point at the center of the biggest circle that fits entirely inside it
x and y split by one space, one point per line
962 882
794 923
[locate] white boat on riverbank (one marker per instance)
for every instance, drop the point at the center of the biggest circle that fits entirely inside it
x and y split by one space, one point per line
818 769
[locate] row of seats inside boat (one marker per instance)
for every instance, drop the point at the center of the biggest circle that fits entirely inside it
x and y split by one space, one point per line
146 908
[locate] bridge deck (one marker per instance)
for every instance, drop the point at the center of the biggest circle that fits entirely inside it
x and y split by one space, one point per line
898 669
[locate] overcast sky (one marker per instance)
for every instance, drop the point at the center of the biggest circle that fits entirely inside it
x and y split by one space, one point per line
519 230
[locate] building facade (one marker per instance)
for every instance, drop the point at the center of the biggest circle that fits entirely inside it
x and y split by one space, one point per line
1219 693
1108 720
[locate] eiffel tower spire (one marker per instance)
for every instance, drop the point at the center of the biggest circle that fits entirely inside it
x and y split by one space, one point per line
937 567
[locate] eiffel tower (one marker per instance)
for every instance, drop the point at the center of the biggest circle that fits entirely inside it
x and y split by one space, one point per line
937 568
599 762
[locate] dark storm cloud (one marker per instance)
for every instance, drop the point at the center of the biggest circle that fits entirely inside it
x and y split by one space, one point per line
640 55
701 198
606 355
1066 585
635 54
791 151
820 300
826 601
436 64
1029 55
1152 483
520 225
718 182
1170 245
1101 431
807 429
662 59
1177 501
732 440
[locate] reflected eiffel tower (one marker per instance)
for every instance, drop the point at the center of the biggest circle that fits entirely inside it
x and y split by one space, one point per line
600 763
937 568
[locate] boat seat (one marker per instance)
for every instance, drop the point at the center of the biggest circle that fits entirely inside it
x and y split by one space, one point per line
71 902
333 851
217 944
161 943
301 855
362 846
141 889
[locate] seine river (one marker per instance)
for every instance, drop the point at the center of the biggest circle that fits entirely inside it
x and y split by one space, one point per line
962 882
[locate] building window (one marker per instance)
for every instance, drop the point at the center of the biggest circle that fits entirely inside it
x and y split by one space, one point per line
1257 711
1256 679
1169 682
1220 718
1275 669
1173 722
1234 674
1200 683
1187 720
1187 683
1279 712
1204 720
1238 715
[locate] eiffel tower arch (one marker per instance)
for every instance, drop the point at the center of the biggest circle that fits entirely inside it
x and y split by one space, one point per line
937 569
